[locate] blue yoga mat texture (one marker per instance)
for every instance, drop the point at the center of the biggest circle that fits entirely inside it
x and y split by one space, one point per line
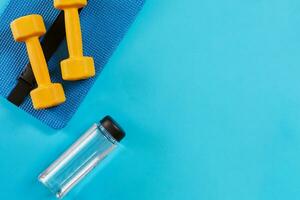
104 24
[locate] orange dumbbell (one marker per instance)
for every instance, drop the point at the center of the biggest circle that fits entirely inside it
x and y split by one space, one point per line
77 67
28 29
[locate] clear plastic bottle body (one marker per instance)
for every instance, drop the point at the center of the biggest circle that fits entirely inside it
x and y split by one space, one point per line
78 160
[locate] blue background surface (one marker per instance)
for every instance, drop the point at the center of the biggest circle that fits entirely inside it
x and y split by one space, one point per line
208 92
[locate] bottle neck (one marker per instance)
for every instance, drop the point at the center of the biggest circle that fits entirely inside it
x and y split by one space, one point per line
107 134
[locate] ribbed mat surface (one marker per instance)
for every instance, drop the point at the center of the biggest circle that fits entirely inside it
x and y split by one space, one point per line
104 24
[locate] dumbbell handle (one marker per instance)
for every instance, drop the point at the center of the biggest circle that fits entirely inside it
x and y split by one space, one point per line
38 61
72 22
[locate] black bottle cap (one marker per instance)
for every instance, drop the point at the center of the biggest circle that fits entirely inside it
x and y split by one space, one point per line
113 128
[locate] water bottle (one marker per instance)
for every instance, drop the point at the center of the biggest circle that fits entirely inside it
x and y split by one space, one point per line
83 156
